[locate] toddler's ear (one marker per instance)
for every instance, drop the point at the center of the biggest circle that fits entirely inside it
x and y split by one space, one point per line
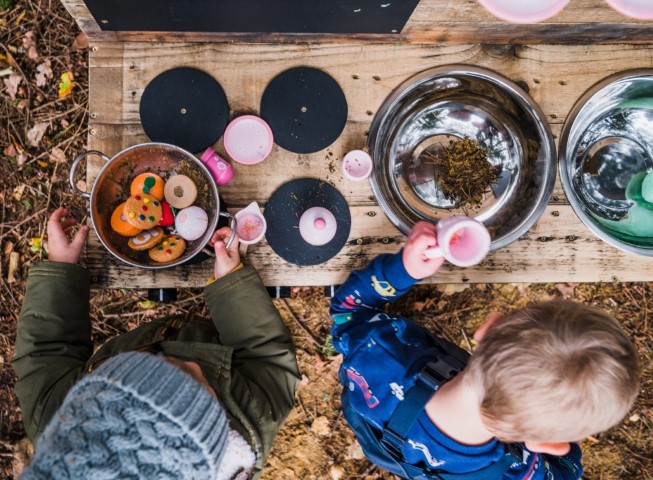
557 449
489 321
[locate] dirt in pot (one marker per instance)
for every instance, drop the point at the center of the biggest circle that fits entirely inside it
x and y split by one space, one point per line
463 172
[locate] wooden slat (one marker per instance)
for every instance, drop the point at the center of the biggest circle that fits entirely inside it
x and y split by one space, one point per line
558 248
555 75
433 21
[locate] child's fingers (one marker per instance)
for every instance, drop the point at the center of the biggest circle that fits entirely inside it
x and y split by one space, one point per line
233 248
80 237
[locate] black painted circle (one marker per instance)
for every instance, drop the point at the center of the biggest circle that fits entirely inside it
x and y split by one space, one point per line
285 208
185 107
305 108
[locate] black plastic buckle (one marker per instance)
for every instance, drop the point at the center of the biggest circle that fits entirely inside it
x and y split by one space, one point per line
436 373
392 442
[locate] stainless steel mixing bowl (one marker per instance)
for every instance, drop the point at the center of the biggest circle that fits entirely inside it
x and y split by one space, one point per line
452 102
606 141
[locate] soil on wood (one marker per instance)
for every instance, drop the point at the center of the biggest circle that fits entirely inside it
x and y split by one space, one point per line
41 133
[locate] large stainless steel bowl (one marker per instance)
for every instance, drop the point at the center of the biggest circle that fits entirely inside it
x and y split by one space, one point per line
606 142
452 102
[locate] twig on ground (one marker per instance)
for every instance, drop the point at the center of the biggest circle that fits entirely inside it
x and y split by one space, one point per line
292 315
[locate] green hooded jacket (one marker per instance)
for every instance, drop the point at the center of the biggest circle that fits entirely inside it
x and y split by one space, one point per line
245 352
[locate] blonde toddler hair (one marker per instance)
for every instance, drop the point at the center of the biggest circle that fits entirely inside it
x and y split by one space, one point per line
554 372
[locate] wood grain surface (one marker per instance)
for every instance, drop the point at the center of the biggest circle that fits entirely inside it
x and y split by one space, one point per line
558 248
433 21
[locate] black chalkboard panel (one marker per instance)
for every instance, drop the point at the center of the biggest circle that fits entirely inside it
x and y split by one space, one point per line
253 16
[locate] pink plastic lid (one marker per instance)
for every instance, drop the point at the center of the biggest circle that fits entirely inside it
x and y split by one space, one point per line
248 139
524 11
642 9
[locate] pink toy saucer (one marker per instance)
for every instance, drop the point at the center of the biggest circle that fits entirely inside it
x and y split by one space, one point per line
524 11
248 139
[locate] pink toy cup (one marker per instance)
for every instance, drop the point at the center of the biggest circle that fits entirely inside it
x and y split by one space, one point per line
524 11
641 9
462 241
251 224
221 170
357 165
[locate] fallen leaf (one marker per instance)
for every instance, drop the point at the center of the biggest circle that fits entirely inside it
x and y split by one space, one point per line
42 163
6 71
146 304
11 84
10 151
35 244
20 17
81 184
320 426
18 192
66 85
21 158
9 246
43 74
14 265
336 472
81 42
29 44
57 155
35 134
566 289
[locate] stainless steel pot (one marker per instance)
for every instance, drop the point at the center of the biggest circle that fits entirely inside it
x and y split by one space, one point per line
111 188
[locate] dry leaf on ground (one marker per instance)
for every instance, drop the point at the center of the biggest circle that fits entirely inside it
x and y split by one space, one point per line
11 84
35 134
29 44
81 42
43 74
57 155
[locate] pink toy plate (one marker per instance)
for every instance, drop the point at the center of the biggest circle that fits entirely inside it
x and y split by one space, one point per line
248 140
524 11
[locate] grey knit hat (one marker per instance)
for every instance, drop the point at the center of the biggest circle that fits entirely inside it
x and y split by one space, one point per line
136 416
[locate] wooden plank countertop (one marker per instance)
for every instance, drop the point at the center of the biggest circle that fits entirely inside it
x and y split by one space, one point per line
558 248
441 21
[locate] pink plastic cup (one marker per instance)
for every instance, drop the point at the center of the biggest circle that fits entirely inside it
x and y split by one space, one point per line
357 165
248 139
641 9
251 224
462 241
524 11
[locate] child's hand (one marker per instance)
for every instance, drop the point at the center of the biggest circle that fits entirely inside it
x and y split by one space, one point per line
60 248
419 241
225 259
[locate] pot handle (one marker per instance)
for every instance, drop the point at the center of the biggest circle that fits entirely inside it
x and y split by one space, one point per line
73 169
233 224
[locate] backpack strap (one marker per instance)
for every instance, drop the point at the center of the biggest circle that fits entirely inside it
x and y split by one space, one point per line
434 374
429 379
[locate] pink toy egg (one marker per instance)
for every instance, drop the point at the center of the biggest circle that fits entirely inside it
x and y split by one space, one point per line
523 11
317 226
357 165
248 139
191 223
221 170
